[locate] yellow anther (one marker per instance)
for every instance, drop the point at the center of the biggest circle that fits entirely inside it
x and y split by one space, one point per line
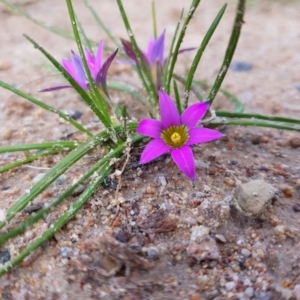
176 138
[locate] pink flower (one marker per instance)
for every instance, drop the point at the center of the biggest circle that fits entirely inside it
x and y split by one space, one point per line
176 134
98 69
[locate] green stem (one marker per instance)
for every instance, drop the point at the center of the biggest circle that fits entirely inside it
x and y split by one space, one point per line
234 38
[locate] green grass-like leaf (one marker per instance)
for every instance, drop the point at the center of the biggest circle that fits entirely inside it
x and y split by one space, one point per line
234 38
97 97
170 70
199 53
142 69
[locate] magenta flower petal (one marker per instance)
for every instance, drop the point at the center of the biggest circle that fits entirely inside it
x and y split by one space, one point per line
150 127
168 111
68 65
79 69
150 47
98 59
91 62
55 88
156 49
184 159
202 135
194 113
153 150
102 74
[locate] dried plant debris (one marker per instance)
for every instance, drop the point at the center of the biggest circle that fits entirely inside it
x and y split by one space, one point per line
107 256
156 222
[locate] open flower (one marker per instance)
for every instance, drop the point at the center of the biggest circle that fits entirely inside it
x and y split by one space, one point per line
176 133
98 69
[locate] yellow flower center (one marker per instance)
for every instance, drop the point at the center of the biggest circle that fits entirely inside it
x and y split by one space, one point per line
175 136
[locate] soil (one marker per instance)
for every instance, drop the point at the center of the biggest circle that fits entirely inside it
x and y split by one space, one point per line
164 237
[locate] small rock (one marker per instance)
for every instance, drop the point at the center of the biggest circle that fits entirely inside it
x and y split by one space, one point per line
202 246
296 207
295 142
245 252
220 238
65 251
73 113
287 191
61 180
229 181
4 65
249 291
297 86
162 180
240 66
151 253
296 291
252 198
230 286
38 177
4 256
199 233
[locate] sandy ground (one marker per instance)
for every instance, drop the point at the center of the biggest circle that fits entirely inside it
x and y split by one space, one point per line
150 251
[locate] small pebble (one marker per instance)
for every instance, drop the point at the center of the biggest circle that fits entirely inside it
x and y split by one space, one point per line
220 238
38 177
245 252
249 291
162 180
4 256
297 86
4 65
73 113
296 207
61 180
229 286
240 66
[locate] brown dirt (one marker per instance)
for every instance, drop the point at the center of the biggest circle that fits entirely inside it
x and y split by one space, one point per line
144 254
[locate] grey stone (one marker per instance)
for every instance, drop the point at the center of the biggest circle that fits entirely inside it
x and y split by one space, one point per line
252 198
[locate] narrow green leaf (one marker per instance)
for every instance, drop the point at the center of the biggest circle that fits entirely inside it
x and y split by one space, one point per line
60 145
28 159
143 70
154 19
234 38
101 24
82 199
81 92
53 29
167 63
97 97
277 119
254 122
85 39
177 97
199 53
170 71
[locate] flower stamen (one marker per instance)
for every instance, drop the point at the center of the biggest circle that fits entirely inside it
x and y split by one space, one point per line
175 136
